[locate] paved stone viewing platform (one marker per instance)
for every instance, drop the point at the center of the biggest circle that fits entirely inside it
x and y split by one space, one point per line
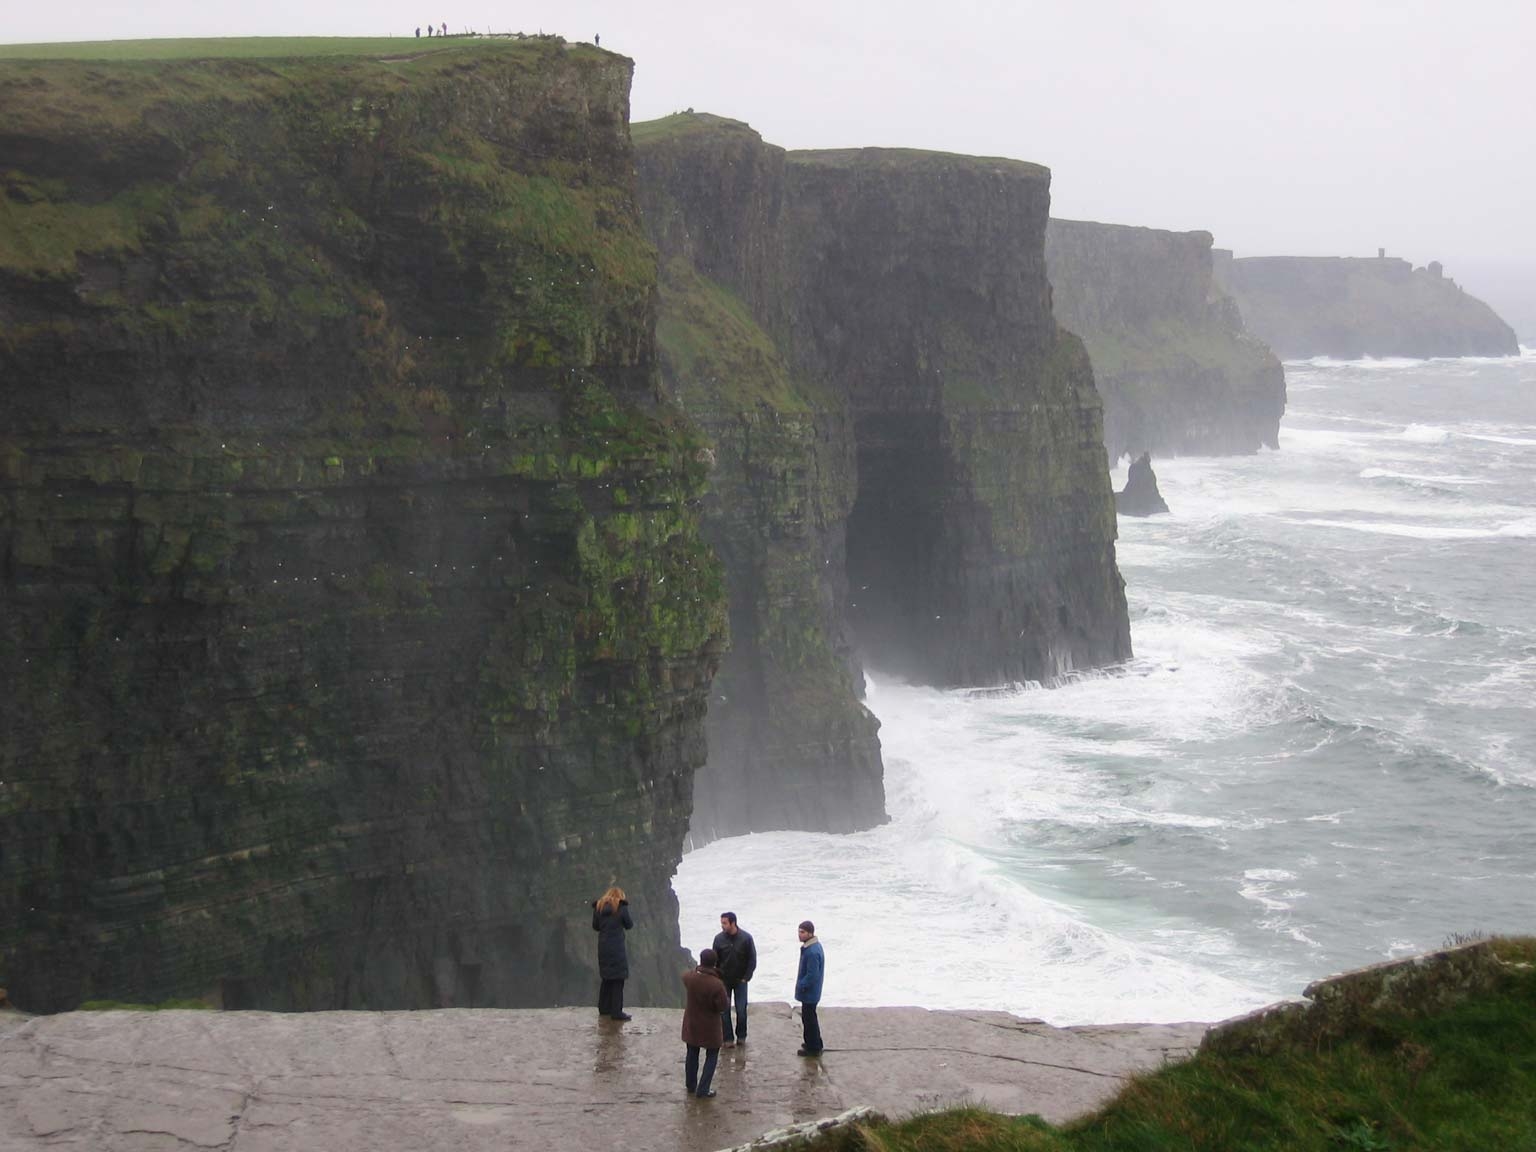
554 1079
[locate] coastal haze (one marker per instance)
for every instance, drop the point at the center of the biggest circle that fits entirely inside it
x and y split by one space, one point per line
1302 129
449 577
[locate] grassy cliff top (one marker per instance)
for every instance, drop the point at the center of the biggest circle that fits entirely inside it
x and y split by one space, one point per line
388 48
909 159
689 123
1461 1075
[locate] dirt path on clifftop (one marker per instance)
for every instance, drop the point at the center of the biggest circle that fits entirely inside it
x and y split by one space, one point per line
486 1079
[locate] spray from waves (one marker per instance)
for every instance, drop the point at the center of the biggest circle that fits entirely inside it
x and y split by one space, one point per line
1431 478
1516 441
946 879
1519 528
1367 363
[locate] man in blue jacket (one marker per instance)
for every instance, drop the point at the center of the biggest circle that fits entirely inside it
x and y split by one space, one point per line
813 965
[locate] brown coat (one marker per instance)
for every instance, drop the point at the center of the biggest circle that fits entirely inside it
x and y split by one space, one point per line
701 1014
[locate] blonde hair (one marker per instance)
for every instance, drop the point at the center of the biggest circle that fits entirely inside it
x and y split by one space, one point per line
611 900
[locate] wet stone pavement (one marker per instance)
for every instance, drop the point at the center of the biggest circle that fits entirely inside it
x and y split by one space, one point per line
556 1080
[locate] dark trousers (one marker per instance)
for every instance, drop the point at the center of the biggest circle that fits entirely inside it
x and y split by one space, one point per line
699 1085
610 998
739 994
811 1029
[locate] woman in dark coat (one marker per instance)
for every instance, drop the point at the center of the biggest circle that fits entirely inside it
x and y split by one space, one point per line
610 920
702 1023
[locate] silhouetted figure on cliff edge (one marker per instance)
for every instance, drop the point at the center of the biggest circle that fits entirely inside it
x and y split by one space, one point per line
610 920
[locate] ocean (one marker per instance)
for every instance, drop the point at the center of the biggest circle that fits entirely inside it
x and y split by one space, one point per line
1322 756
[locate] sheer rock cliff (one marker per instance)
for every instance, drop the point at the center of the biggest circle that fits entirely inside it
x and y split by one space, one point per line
910 472
355 623
1350 307
1178 372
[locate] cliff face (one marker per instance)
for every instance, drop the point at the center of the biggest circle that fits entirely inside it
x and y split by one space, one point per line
981 542
910 464
1177 370
790 743
1344 307
356 624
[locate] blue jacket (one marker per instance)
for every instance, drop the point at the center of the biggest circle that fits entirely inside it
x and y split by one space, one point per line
813 965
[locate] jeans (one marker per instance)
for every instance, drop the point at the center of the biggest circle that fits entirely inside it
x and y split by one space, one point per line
811 1029
699 1085
739 993
610 998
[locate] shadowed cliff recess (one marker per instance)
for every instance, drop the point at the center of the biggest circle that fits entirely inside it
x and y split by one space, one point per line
356 623
910 466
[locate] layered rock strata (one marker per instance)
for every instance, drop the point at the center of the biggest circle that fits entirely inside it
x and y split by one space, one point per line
1352 307
791 744
1178 371
910 470
356 622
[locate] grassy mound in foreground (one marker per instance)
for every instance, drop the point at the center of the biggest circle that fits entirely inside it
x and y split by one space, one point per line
1461 1079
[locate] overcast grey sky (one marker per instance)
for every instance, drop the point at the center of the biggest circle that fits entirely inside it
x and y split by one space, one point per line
1309 127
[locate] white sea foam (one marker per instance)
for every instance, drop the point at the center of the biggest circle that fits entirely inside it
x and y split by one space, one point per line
1274 788
1417 531
1431 478
1517 441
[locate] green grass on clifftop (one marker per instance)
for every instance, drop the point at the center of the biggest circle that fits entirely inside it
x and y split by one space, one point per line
1461 1079
263 48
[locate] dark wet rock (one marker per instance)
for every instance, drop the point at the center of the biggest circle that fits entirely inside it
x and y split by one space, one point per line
908 471
1178 371
355 622
1352 307
477 1079
1140 496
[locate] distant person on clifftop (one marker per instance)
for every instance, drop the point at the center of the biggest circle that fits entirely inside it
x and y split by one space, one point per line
813 965
610 920
704 1007
738 960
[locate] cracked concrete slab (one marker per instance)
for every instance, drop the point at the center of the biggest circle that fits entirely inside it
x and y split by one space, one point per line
551 1079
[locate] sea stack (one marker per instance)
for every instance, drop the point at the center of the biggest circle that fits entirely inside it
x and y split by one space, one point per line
1140 496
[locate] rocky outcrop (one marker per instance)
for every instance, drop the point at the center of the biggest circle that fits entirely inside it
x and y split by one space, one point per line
1354 1002
909 455
356 622
1140 496
1178 372
1352 307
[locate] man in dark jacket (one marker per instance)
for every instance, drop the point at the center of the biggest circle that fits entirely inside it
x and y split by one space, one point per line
703 1006
738 960
813 966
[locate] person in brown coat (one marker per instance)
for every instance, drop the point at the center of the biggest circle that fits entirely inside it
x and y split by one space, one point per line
706 999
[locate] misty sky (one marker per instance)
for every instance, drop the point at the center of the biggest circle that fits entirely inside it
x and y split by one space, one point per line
1306 127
